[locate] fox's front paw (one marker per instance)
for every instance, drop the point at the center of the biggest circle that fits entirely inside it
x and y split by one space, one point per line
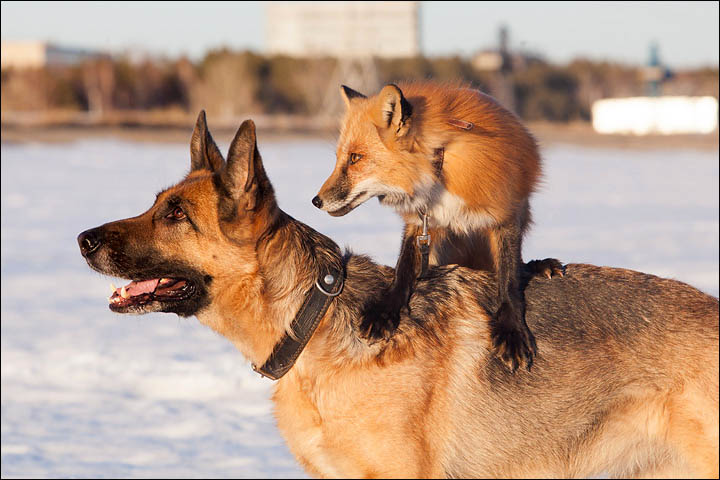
381 319
512 340
548 267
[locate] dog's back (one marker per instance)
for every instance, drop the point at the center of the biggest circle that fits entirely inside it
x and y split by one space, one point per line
626 383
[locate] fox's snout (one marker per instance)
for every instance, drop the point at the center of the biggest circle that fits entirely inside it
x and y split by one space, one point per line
333 194
335 199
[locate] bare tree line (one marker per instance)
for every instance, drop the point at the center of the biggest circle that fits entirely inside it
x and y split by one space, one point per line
231 84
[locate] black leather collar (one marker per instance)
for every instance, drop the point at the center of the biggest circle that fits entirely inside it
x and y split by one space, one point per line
328 286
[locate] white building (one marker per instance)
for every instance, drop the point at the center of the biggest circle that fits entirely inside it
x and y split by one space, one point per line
343 29
40 54
655 115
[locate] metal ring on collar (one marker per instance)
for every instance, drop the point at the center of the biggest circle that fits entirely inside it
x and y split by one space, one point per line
325 292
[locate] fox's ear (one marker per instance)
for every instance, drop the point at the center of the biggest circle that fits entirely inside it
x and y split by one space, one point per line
244 176
204 153
348 94
394 110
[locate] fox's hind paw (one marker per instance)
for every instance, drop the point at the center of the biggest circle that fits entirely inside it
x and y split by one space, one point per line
512 342
548 268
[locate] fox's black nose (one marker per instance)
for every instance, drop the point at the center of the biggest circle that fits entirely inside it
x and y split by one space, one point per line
89 241
317 201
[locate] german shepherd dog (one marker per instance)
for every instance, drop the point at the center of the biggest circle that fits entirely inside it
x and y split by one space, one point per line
626 382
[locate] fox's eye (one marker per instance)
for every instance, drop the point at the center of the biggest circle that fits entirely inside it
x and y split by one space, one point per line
177 214
354 158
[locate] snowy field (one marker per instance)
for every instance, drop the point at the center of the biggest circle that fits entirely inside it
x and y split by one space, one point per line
87 393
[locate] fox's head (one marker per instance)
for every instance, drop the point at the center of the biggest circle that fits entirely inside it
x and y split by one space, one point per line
377 155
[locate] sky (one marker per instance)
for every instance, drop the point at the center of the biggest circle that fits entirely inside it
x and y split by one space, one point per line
686 32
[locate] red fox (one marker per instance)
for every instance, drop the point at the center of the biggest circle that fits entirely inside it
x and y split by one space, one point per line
455 158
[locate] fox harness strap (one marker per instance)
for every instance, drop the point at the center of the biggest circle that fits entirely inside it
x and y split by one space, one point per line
328 286
423 241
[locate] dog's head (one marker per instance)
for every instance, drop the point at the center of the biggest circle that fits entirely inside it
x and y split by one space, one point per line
197 237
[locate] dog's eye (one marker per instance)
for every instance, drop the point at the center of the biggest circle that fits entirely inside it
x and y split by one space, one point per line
353 158
177 214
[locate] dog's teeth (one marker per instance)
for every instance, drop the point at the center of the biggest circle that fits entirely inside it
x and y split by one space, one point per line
163 281
113 287
124 293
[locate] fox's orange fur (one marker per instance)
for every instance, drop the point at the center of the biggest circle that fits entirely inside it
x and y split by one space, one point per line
493 167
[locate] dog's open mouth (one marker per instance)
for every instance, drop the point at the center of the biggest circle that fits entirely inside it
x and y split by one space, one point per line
139 296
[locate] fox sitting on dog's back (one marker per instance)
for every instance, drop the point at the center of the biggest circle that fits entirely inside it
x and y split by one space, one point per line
457 155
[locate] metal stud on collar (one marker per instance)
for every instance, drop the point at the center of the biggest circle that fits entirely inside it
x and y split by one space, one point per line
328 279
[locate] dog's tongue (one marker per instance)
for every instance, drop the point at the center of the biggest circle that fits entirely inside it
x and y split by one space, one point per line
138 288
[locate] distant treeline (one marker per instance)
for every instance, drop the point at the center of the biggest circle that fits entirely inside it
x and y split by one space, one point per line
231 84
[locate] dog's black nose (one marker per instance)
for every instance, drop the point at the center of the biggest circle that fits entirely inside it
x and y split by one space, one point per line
317 201
89 241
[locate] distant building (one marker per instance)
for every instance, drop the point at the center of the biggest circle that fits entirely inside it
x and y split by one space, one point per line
655 115
343 29
40 54
488 61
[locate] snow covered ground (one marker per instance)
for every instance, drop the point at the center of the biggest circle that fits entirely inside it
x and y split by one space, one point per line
87 393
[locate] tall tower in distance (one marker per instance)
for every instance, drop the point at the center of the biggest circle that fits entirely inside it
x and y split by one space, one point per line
655 73
503 85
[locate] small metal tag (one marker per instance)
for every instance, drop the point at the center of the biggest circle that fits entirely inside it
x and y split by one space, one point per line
462 124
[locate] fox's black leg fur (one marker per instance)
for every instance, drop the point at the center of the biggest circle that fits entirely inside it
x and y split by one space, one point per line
381 318
513 341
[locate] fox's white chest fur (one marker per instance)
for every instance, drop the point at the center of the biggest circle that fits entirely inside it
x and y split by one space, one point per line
444 209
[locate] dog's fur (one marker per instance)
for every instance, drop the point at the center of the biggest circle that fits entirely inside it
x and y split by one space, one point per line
626 382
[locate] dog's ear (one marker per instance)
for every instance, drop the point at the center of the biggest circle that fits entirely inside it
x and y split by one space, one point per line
348 95
393 112
244 176
204 153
